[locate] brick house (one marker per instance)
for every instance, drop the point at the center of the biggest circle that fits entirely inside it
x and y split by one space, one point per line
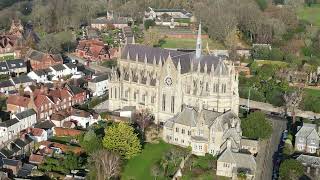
93 50
16 103
79 94
39 60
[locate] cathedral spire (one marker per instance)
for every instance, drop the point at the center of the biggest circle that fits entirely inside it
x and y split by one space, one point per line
199 43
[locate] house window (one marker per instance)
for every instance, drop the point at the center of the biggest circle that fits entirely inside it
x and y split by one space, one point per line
227 165
200 147
207 86
176 139
172 104
163 102
177 129
143 98
182 131
182 141
135 95
189 133
152 99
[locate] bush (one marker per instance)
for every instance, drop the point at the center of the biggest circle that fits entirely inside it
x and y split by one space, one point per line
148 23
256 126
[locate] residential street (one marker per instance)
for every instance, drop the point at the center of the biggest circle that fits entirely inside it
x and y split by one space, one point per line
268 149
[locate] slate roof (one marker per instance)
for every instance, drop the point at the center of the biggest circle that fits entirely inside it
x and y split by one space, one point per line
40 72
16 63
20 143
3 66
134 51
7 83
5 153
189 117
100 78
70 65
75 89
249 142
241 160
9 122
26 113
21 79
309 160
58 67
308 131
26 170
10 162
45 125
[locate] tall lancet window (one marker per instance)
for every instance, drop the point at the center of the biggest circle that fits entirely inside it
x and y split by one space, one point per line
172 104
163 102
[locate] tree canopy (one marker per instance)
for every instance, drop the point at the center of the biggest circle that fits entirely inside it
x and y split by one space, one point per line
90 142
256 126
120 138
291 169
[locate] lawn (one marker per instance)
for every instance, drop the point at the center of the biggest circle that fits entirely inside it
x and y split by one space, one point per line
61 139
139 167
312 92
201 168
189 43
310 14
278 63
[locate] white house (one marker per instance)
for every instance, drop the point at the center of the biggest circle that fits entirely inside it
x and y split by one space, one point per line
38 134
9 129
83 118
70 68
99 84
23 120
28 118
230 164
40 76
59 70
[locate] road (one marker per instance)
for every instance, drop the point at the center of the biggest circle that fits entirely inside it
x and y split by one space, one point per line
268 148
93 66
270 108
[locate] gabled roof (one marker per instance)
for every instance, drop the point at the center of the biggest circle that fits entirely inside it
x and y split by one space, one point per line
240 159
308 131
7 83
75 89
18 100
22 79
11 162
70 65
309 160
20 143
100 78
16 63
45 125
36 159
41 57
58 67
25 114
9 122
5 153
141 52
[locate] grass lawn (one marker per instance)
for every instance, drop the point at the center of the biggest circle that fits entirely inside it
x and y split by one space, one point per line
313 92
189 43
61 139
310 14
139 167
278 63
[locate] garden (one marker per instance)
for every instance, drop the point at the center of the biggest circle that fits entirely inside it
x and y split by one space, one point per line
159 161
189 43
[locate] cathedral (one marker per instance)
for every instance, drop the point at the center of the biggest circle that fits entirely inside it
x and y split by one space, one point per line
165 81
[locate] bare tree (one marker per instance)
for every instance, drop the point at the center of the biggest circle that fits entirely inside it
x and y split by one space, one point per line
292 101
144 119
152 37
105 163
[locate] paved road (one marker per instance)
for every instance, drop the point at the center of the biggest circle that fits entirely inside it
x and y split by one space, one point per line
268 149
95 67
270 108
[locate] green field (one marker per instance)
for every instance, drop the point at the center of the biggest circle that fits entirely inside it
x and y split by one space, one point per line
139 167
189 43
312 92
278 63
310 14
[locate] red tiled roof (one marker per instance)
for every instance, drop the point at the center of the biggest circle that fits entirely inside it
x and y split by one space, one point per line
66 132
63 147
36 131
18 100
42 99
36 159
